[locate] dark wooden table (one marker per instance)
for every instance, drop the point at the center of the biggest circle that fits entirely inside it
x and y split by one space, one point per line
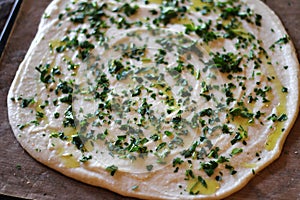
22 176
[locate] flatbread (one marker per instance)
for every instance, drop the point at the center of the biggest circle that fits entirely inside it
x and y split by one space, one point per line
157 100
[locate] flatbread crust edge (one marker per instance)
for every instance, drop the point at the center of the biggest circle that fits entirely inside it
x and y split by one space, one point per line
112 183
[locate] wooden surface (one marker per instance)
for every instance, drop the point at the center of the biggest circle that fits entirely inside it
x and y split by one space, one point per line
22 176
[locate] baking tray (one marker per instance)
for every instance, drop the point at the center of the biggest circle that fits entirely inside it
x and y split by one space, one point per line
4 34
22 176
